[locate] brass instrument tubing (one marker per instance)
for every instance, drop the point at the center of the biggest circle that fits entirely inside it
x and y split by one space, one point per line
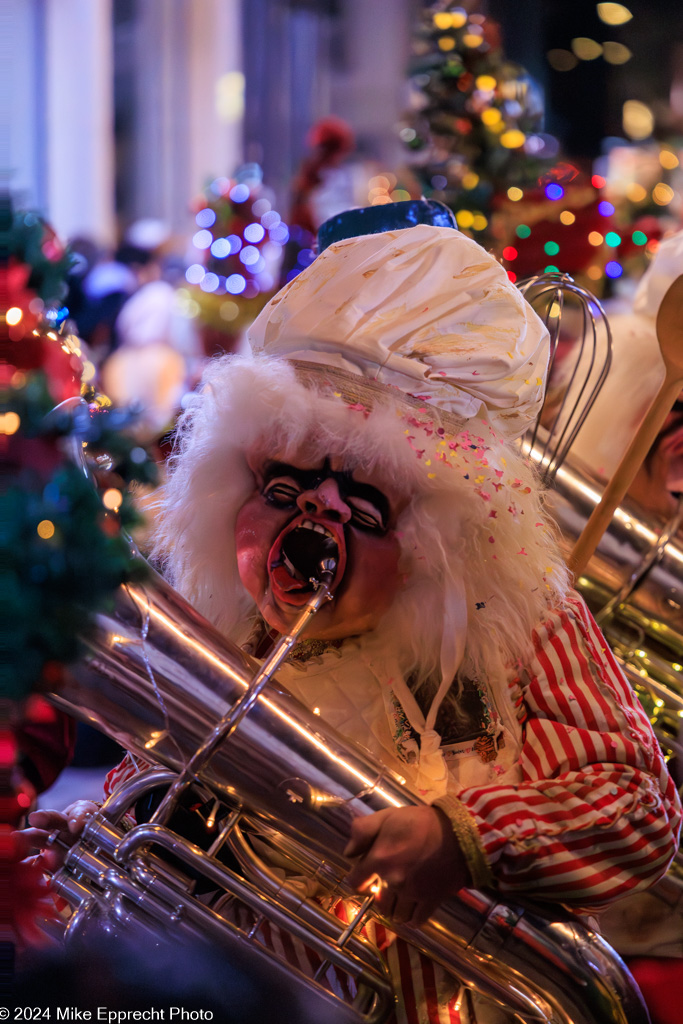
653 555
229 825
222 876
357 920
241 707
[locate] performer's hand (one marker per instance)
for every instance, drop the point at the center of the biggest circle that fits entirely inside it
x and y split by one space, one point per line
415 854
68 823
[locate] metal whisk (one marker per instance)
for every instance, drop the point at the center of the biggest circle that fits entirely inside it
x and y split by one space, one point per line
580 358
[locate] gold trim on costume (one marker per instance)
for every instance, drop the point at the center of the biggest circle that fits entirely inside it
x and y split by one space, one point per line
466 832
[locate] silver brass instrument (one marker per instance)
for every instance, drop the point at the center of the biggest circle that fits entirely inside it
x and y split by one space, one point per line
157 678
634 586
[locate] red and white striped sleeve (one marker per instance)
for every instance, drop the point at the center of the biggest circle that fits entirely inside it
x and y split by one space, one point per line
124 771
597 813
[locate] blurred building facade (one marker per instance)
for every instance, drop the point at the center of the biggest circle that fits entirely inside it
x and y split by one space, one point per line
123 109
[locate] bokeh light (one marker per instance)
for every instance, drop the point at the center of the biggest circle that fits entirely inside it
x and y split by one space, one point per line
239 193
662 194
202 239
554 191
668 160
637 119
585 48
235 284
613 269
616 53
254 232
512 139
205 218
635 192
112 498
614 14
561 60
486 83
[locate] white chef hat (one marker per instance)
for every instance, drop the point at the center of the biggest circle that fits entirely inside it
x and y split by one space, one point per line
424 309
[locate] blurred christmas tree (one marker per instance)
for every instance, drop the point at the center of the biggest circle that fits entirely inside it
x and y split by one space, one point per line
239 243
476 124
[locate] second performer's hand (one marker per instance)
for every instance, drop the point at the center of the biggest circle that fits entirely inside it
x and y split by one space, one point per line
416 856
68 823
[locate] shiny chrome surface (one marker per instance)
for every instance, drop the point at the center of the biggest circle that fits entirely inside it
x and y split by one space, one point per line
634 586
574 317
157 678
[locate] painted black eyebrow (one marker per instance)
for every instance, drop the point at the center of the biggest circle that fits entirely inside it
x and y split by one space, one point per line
348 487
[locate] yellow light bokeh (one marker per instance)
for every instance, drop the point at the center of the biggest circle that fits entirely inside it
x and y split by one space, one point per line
614 14
479 222
381 200
491 116
668 160
13 315
45 529
616 53
472 40
228 310
594 272
515 194
662 194
89 371
400 195
567 217
442 20
561 60
585 48
447 43
635 192
512 139
637 119
470 180
464 218
595 238
112 498
9 422
458 18
486 83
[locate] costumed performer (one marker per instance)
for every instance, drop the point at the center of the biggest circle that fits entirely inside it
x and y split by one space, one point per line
635 376
387 383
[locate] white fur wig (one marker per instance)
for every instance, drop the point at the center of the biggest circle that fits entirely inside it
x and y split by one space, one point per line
474 518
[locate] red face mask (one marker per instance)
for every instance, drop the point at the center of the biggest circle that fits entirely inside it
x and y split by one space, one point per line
302 504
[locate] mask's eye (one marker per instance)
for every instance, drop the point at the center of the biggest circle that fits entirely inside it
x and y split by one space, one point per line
282 492
365 515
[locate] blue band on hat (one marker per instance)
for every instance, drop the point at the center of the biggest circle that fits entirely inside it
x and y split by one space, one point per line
371 220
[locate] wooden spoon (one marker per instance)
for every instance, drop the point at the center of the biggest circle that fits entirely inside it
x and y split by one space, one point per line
670 338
